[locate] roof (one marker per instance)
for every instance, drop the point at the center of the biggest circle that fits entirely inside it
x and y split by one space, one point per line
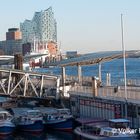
95 58
19 111
119 120
63 109
47 110
89 120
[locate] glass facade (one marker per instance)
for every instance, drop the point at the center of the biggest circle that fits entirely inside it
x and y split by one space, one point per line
42 27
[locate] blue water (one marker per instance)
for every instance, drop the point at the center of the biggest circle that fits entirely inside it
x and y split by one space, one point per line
115 68
54 135
51 135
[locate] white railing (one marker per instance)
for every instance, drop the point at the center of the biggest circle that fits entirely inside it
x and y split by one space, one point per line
81 89
75 78
129 82
132 93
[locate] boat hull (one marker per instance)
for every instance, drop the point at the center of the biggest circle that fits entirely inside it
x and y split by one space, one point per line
6 130
63 124
35 127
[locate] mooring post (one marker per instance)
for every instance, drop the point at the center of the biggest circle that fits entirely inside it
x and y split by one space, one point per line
18 64
99 72
94 87
18 61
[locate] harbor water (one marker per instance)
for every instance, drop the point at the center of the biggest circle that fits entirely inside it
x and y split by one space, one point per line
40 136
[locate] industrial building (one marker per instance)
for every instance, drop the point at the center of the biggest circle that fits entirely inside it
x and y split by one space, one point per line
13 42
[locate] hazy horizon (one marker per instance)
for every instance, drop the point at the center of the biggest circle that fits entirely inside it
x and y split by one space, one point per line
86 26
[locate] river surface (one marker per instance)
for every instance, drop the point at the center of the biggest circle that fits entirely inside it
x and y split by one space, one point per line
51 135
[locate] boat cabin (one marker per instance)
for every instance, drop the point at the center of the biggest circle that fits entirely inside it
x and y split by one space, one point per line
33 113
64 111
106 128
4 115
94 127
26 112
115 128
119 123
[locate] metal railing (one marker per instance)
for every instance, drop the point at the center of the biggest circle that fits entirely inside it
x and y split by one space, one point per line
109 92
28 84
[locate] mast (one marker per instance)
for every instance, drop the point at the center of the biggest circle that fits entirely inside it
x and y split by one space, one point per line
124 64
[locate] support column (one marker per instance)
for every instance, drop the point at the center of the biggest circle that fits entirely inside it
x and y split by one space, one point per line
63 79
108 79
79 74
94 87
57 88
63 76
100 73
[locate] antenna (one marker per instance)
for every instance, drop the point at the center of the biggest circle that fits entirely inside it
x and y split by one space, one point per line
124 63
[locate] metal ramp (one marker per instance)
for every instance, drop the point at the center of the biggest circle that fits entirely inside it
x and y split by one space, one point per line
28 84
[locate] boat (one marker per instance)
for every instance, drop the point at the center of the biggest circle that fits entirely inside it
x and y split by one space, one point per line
58 119
6 125
113 129
27 119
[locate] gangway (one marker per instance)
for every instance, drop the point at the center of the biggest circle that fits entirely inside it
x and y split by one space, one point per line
28 84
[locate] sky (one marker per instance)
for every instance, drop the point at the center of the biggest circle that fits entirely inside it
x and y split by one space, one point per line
83 25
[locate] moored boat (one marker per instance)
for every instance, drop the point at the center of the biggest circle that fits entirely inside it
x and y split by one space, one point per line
58 119
28 119
6 125
114 129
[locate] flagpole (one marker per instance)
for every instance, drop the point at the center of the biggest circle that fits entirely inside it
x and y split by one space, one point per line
124 64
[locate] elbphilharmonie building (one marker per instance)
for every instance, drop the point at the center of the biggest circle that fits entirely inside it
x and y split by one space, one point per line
42 27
